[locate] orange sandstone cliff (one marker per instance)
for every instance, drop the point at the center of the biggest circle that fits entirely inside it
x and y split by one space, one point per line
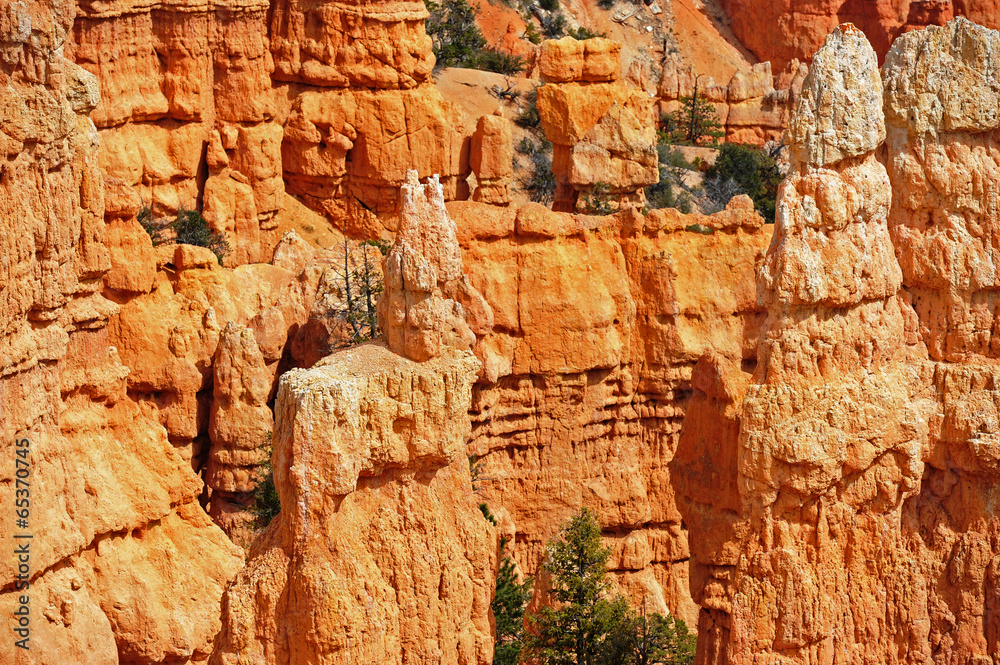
847 516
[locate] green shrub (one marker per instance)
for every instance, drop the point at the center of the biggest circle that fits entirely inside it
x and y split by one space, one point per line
266 504
532 34
584 32
586 622
694 123
453 30
549 5
189 228
492 60
540 183
528 117
554 25
754 171
598 200
605 4
508 607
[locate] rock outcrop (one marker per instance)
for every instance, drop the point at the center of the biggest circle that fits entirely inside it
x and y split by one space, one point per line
429 304
105 487
598 322
847 516
603 131
753 108
380 553
176 80
795 29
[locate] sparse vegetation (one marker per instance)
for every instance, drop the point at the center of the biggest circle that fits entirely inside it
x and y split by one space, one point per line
694 123
716 192
584 32
528 117
540 183
553 24
508 606
753 171
670 192
458 42
363 284
598 200
531 33
188 227
605 4
266 504
588 625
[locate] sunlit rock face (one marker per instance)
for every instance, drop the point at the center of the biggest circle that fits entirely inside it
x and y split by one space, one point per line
857 521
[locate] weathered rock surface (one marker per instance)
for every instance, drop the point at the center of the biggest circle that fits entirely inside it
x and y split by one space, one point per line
795 29
106 487
171 76
846 517
429 304
603 130
598 322
380 554
753 108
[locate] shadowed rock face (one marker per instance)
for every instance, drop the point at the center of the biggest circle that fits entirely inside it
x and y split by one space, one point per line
857 521
106 487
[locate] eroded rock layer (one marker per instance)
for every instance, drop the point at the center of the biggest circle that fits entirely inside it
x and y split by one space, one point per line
105 486
380 553
849 515
598 322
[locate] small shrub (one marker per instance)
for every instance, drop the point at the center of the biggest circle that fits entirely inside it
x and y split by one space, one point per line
492 60
540 183
584 32
549 5
509 603
192 229
266 504
531 33
485 510
453 30
189 228
694 123
598 200
605 4
528 117
363 285
554 25
754 171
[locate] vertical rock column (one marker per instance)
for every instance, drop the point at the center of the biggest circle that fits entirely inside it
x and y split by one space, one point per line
380 553
830 439
602 130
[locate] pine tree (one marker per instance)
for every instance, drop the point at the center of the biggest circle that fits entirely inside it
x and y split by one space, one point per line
576 630
508 610
692 123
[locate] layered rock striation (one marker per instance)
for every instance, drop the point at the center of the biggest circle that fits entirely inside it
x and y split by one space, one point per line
380 553
598 322
854 523
603 130
104 486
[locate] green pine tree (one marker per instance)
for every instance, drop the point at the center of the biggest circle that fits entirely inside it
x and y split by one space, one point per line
693 123
576 630
508 606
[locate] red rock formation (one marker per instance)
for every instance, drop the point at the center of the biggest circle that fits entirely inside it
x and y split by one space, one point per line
169 78
380 554
106 487
751 108
847 516
603 131
794 29
598 322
